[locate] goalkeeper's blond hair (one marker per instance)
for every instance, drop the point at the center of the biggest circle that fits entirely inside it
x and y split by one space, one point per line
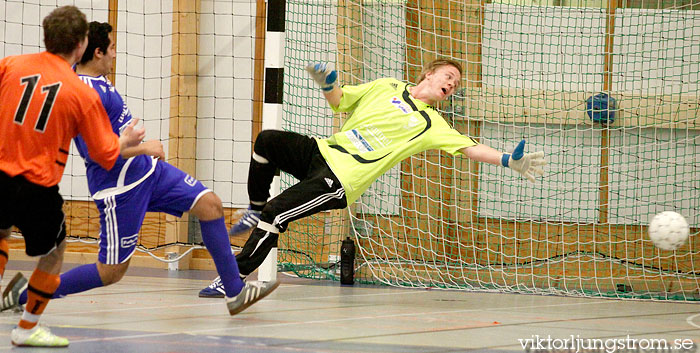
433 65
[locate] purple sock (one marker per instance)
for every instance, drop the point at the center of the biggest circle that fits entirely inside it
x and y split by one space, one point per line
77 280
215 237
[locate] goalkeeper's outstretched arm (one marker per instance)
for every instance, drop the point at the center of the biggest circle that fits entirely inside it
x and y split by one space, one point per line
527 164
327 79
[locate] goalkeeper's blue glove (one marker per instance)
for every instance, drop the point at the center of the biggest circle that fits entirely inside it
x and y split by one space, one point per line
524 163
323 75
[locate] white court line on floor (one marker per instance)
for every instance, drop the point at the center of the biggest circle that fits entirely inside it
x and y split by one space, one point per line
690 319
231 329
218 301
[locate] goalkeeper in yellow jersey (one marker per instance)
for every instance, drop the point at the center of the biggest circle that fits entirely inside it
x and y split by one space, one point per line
390 120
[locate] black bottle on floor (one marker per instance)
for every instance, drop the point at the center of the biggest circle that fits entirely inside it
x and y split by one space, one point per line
347 262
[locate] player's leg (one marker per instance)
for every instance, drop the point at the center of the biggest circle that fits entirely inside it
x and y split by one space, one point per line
121 217
44 281
210 213
9 192
81 279
4 250
18 283
273 150
319 191
178 192
41 220
211 219
110 274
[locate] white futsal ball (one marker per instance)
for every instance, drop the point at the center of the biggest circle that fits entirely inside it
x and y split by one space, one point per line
668 230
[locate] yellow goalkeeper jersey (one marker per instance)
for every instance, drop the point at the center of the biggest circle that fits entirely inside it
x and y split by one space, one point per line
386 125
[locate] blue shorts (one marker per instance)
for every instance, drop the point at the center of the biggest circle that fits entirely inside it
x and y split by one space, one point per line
168 190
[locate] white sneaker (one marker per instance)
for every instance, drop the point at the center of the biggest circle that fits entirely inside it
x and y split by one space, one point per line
251 293
39 336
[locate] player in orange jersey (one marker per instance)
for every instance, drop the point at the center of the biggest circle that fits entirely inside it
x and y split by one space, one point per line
44 105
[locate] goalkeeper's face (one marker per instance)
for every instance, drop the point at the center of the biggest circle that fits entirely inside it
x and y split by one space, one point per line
443 81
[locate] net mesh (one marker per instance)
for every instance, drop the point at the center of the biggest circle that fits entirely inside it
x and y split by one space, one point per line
175 61
541 71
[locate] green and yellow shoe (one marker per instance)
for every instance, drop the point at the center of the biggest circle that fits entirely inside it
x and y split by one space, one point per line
39 336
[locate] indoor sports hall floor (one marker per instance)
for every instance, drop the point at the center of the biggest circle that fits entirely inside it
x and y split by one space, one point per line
159 311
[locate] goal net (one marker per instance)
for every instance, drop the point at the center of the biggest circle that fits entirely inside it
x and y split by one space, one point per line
534 70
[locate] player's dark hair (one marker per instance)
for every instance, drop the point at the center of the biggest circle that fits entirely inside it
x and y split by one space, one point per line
98 38
64 28
433 65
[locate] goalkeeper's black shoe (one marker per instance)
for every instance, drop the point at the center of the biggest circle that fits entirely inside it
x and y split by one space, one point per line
10 297
251 293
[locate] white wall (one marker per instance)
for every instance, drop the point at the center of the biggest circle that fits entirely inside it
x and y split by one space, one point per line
543 47
143 72
654 170
20 22
225 104
657 51
568 193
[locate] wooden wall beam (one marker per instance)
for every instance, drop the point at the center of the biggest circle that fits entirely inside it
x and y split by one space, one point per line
112 18
182 145
604 188
259 68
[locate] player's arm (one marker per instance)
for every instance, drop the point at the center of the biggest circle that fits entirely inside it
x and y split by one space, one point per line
527 164
130 137
483 153
150 148
333 96
327 79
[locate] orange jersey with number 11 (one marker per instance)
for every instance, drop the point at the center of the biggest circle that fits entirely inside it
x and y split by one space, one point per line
43 105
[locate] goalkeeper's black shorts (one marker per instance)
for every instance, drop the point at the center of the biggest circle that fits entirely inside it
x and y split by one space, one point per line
318 188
